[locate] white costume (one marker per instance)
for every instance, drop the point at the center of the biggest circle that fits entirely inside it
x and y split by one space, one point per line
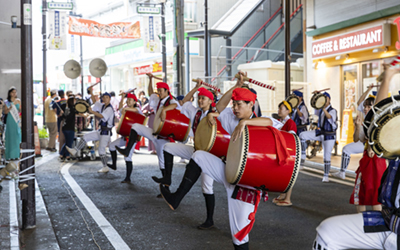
147 132
186 151
214 167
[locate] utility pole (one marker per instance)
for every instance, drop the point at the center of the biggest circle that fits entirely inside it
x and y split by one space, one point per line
206 73
163 44
287 48
179 28
80 39
27 194
44 34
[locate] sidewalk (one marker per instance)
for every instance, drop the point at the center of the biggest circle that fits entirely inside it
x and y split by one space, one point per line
11 237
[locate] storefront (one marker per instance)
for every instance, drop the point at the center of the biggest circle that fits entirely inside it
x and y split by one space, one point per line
349 60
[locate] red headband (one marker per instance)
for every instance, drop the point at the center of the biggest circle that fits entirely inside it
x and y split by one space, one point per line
162 85
207 93
133 96
240 94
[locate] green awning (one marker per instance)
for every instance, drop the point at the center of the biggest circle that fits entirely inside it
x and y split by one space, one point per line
357 20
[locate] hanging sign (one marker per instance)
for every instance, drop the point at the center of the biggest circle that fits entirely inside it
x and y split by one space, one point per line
150 31
353 41
148 10
85 27
60 6
57 30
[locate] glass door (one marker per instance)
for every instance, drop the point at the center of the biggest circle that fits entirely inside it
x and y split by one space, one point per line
350 83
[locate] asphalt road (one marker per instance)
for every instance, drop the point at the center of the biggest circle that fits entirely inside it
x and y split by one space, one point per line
146 222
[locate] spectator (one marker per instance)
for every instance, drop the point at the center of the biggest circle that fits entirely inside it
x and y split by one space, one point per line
68 129
12 108
51 121
115 104
143 100
60 106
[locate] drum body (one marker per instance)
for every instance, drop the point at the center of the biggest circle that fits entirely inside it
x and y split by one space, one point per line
318 101
212 139
176 125
381 126
293 100
251 160
81 106
128 119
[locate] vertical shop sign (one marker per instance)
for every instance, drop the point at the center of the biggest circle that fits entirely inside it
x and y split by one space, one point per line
397 22
57 30
347 127
150 33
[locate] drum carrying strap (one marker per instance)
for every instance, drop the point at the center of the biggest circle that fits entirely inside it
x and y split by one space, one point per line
281 149
196 120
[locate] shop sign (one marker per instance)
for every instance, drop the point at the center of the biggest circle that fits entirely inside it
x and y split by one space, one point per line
153 68
397 22
353 41
57 30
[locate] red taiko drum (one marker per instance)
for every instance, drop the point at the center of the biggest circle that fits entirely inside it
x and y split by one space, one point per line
128 119
213 139
252 160
176 125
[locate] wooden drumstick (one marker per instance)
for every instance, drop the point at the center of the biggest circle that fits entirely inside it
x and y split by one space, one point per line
128 91
155 77
206 84
393 63
91 86
298 89
245 78
318 91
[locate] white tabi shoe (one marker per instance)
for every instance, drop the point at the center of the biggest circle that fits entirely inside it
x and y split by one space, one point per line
340 174
325 179
72 151
103 170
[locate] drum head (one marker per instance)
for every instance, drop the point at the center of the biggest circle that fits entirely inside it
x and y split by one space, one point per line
293 100
236 158
157 124
319 101
382 135
81 107
377 109
204 137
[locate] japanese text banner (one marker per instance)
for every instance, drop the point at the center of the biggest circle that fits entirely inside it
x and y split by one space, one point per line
85 27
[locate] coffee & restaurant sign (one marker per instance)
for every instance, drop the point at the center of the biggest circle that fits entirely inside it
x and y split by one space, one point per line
353 41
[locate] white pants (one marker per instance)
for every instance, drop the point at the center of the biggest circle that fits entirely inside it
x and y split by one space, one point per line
186 152
239 211
158 143
353 148
346 232
326 145
120 142
103 140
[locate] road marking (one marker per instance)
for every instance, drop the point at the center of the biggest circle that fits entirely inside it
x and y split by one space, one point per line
112 235
14 228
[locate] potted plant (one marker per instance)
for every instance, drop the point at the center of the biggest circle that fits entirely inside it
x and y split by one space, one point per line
43 138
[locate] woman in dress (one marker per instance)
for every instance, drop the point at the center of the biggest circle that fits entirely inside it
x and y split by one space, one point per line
12 108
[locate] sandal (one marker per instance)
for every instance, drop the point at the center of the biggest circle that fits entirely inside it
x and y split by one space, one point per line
283 204
277 199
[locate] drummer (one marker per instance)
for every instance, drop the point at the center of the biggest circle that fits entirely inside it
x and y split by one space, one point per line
325 133
233 120
105 113
371 229
300 114
161 100
205 105
132 105
357 147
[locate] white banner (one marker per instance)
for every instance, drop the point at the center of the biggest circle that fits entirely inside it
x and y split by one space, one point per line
57 30
150 31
